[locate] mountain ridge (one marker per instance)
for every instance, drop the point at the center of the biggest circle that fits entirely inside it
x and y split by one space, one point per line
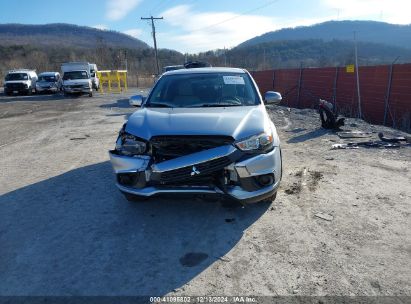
367 31
63 34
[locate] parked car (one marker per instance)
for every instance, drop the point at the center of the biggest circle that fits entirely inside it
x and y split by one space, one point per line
172 68
20 81
94 77
76 78
48 82
203 130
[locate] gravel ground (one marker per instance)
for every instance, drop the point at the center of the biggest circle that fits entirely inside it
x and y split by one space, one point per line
340 224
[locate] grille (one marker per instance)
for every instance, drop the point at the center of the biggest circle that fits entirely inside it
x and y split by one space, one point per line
76 86
205 171
169 147
15 86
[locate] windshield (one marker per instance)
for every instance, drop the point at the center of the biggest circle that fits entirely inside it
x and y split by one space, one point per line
17 76
75 75
203 90
47 78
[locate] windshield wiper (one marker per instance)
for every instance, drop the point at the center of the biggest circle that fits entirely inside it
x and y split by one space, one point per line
159 105
216 105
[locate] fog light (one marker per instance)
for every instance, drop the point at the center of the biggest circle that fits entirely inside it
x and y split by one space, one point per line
266 180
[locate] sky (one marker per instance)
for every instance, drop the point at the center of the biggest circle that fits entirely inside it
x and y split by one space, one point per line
199 25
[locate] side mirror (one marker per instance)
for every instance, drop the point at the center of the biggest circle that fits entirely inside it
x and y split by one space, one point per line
136 100
271 97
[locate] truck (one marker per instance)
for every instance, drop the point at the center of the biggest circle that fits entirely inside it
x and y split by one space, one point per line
77 78
20 81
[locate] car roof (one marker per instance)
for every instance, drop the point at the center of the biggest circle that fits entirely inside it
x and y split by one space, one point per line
48 73
206 71
21 71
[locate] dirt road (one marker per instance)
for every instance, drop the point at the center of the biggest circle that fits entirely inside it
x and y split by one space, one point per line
340 224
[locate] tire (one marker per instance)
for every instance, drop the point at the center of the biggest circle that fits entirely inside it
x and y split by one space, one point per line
270 199
30 91
134 198
90 94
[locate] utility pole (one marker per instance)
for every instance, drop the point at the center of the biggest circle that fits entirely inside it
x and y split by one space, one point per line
125 59
154 38
357 74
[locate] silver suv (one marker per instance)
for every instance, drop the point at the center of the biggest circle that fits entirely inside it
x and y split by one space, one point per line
200 131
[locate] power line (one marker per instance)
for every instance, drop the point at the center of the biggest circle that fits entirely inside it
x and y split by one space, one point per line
236 16
154 38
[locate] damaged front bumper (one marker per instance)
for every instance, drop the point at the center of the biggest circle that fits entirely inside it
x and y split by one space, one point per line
223 170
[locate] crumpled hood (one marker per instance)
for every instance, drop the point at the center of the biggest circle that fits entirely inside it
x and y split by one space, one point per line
238 122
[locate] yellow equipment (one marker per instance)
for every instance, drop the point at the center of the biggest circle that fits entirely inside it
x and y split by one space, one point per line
108 78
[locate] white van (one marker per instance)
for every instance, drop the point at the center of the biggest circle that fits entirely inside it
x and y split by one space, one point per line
20 81
76 78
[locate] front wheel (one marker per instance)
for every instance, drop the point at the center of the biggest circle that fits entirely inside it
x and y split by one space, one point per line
90 94
269 199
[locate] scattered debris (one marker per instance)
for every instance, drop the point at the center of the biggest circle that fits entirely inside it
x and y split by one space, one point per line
224 259
365 144
343 146
392 139
78 138
329 158
324 216
329 118
354 134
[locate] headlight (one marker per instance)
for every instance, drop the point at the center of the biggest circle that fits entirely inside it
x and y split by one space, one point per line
261 142
130 145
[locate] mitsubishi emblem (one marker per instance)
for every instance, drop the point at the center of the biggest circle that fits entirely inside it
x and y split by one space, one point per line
194 171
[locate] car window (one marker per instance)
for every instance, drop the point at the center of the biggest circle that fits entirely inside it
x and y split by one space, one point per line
204 90
47 78
75 75
16 76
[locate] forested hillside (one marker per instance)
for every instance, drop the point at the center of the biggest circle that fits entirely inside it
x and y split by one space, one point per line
65 35
367 31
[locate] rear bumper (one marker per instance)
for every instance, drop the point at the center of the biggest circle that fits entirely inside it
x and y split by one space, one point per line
240 177
51 89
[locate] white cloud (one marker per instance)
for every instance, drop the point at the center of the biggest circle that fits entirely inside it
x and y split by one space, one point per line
133 32
392 11
211 30
118 9
101 27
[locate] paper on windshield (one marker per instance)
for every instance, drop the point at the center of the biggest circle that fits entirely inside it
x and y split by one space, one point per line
233 80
